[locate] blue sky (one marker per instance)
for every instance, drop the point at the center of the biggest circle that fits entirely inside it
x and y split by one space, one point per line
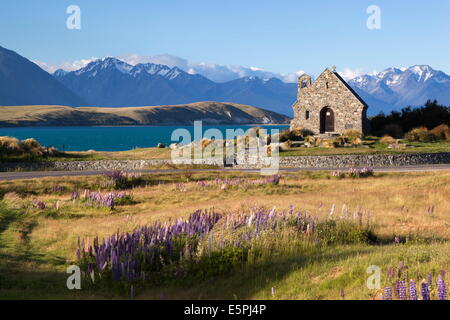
279 36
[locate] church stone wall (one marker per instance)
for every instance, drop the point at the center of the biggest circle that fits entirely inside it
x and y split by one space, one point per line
328 90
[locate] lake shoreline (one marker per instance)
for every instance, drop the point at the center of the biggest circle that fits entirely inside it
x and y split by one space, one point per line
117 138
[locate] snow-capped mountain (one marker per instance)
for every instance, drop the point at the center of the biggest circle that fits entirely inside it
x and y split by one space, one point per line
110 82
396 88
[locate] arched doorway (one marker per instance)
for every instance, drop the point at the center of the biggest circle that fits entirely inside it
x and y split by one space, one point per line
326 120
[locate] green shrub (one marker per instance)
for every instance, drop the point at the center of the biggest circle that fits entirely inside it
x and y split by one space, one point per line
343 232
420 134
219 262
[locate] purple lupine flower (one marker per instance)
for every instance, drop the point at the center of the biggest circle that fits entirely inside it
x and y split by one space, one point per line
402 290
397 289
429 280
342 293
147 249
442 290
41 205
110 202
115 175
75 195
387 293
400 269
425 291
389 273
273 292
412 290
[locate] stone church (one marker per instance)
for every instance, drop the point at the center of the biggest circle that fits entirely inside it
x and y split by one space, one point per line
328 105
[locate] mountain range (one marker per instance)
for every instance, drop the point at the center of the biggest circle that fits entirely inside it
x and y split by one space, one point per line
396 88
110 82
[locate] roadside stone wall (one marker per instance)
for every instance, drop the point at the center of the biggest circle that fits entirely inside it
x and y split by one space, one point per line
336 161
378 160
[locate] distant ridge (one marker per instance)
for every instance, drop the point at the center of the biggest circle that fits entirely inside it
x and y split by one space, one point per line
212 113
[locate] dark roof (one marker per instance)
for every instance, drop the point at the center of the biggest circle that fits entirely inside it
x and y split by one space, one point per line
351 89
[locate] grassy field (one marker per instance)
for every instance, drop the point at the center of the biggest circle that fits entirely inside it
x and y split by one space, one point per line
36 244
375 148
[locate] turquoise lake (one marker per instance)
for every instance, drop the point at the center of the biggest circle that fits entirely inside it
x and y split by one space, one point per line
111 138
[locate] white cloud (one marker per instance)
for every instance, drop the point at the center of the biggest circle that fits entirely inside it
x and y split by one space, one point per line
292 77
165 59
214 72
65 65
349 74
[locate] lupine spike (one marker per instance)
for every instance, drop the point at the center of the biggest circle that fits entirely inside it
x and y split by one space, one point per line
402 290
387 293
441 288
412 290
425 291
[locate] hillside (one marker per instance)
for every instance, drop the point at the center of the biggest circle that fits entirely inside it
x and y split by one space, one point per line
209 112
22 82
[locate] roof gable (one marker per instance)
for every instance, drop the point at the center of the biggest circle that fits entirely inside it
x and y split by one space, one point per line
340 79
338 76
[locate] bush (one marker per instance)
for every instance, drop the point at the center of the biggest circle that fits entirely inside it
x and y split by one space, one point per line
420 134
327 144
386 139
28 148
313 141
441 132
295 135
330 232
289 135
339 141
352 134
306 133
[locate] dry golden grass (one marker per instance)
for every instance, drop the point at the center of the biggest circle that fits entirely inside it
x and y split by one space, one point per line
398 204
135 154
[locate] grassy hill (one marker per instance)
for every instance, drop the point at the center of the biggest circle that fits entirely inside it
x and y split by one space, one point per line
186 114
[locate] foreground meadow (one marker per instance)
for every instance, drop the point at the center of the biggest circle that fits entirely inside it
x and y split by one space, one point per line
308 235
